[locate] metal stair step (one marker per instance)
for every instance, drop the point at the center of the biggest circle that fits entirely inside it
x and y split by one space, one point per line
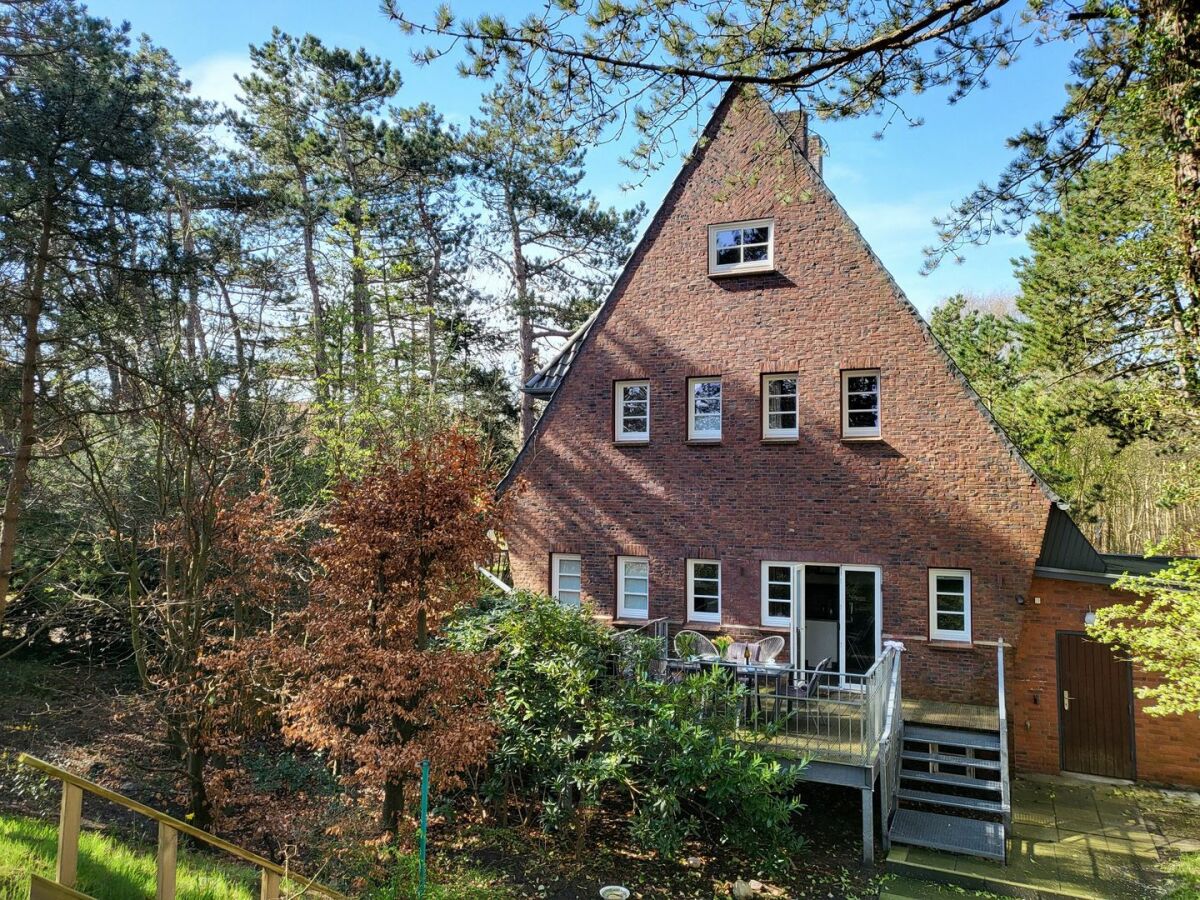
950 800
956 834
950 759
980 784
952 737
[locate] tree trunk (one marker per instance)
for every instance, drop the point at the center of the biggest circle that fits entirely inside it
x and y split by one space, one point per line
524 316
26 430
393 805
320 356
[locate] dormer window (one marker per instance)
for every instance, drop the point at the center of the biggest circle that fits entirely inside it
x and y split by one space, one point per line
741 247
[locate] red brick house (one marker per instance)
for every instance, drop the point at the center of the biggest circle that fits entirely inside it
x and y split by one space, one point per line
758 434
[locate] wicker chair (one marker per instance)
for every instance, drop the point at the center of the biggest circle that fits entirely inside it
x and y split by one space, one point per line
703 648
769 648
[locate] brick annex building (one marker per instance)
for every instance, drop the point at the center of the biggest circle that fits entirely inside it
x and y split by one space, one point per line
758 434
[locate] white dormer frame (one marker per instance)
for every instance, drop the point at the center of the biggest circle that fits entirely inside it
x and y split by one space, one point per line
741 265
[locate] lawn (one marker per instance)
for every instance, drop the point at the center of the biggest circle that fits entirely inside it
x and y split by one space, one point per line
1186 872
109 869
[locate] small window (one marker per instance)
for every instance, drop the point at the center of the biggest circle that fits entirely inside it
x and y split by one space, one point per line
704 590
704 409
950 604
741 247
860 403
633 587
781 418
632 409
565 575
778 588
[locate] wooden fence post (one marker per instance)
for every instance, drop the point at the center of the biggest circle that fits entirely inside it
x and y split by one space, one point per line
69 819
168 852
270 886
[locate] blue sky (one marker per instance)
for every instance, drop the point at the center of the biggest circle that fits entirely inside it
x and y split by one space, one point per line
891 187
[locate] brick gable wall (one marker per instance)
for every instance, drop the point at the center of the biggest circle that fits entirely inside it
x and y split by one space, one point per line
941 489
1166 748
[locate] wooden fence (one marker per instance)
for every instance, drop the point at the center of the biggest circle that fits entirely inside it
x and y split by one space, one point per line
272 875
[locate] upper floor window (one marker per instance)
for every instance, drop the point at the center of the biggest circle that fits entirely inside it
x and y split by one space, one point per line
741 247
565 575
633 587
781 418
632 410
704 590
950 604
860 403
704 409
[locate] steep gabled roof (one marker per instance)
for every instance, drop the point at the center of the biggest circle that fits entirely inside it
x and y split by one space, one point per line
546 381
791 127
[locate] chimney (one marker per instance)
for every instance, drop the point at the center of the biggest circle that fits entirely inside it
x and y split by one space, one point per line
795 123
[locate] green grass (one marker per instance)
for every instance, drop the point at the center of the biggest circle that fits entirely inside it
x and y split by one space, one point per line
1186 873
109 869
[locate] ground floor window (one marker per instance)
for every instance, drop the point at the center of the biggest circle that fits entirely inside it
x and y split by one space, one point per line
565 577
704 590
633 587
950 604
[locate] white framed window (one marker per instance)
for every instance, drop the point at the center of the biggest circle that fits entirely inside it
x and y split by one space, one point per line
633 587
950 604
704 590
566 572
741 247
631 405
860 403
704 409
780 414
778 593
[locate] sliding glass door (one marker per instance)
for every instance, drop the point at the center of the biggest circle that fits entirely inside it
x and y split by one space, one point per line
836 615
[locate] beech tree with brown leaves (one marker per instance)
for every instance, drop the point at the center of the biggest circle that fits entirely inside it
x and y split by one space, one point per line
366 685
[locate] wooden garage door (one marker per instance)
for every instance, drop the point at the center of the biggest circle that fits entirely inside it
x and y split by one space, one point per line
1095 708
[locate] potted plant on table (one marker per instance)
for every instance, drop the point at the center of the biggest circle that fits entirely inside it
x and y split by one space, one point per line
722 642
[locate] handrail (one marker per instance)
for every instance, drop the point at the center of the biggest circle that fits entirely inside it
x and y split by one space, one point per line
490 576
69 821
1002 717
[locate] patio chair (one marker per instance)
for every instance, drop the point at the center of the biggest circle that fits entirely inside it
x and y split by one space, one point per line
768 648
807 688
702 649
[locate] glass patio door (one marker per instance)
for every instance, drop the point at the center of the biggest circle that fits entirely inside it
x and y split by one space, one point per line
836 616
859 618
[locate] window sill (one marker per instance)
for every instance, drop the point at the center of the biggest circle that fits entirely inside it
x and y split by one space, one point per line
862 439
631 620
631 443
781 440
703 442
743 273
945 644
705 623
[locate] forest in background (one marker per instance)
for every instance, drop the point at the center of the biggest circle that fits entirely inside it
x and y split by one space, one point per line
234 341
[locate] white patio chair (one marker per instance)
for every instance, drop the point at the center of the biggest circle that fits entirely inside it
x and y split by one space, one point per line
769 648
703 647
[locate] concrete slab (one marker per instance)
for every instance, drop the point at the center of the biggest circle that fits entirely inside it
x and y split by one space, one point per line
1067 840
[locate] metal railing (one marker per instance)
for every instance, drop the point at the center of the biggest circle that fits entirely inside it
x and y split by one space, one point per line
272 878
1002 716
890 747
808 713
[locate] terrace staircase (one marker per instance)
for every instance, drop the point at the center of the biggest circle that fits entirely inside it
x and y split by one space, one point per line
953 781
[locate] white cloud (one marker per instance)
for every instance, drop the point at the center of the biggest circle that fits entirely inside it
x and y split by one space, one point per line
212 77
